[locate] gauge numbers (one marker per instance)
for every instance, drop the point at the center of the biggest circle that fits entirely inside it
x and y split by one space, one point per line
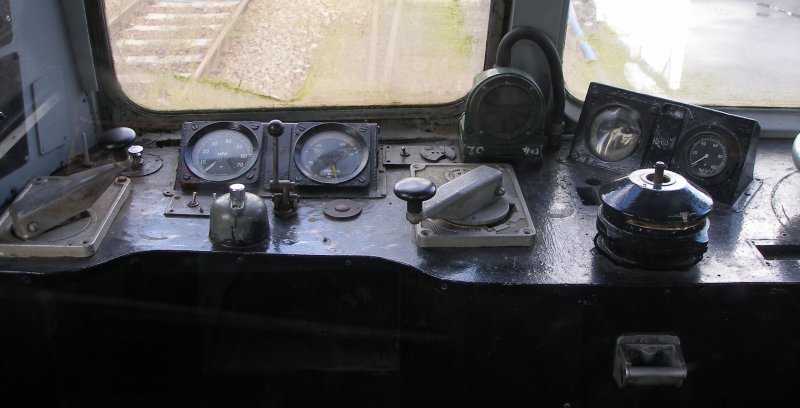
707 156
222 154
331 156
332 153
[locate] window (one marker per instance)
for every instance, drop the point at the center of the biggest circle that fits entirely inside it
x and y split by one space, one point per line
228 54
709 52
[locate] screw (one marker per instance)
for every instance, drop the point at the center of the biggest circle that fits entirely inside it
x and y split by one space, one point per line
298 177
195 126
8 19
362 179
500 191
33 226
186 177
403 152
2 115
122 179
255 126
194 202
168 193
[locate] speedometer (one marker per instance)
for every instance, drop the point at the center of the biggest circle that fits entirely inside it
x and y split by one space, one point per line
222 152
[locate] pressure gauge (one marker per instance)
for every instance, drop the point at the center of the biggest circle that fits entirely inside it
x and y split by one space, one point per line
707 155
333 154
614 134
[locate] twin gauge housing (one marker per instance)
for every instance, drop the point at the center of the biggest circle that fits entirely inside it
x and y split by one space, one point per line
623 131
317 155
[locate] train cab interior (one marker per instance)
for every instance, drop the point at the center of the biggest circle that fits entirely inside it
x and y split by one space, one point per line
569 204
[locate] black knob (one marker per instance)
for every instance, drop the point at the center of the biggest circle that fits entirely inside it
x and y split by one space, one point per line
414 190
275 128
116 138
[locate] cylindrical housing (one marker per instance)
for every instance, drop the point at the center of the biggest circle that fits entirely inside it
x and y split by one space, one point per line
238 219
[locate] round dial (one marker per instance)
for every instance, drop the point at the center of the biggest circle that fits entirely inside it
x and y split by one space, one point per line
707 156
330 156
614 134
222 154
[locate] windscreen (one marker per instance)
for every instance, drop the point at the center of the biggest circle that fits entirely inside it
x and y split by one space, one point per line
709 52
232 54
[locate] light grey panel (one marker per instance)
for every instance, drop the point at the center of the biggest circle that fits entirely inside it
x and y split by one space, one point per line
48 99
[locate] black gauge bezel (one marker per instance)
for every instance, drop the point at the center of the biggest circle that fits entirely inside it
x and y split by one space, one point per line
500 83
729 142
360 177
251 130
589 127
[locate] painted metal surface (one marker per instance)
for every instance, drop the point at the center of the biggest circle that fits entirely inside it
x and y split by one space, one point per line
563 253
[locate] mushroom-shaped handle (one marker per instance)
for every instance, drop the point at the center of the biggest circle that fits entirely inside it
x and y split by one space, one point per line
414 190
116 140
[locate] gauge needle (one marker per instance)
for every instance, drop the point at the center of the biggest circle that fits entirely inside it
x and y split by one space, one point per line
211 166
333 169
700 159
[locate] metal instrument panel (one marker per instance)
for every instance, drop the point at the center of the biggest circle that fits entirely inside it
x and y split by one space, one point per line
563 253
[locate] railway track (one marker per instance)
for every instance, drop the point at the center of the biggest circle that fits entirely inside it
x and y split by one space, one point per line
179 37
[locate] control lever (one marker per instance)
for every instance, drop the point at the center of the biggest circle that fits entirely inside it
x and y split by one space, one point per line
283 195
455 200
53 200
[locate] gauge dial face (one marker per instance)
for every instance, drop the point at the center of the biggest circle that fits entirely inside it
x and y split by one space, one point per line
614 134
222 155
707 156
330 156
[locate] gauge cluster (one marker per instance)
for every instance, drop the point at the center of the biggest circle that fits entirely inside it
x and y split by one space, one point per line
318 157
623 131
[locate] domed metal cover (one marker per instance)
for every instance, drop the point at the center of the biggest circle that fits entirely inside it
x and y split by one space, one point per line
677 201
653 219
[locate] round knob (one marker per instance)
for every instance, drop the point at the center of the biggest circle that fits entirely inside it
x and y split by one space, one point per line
275 128
117 138
135 150
237 195
414 190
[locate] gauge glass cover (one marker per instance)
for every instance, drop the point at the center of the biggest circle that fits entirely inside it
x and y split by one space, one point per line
614 134
330 156
707 156
222 154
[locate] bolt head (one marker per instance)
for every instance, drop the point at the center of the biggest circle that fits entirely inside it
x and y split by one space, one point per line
33 226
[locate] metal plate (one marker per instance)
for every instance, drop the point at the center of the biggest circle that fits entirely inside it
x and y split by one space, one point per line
152 164
394 155
78 239
179 206
516 230
13 133
49 114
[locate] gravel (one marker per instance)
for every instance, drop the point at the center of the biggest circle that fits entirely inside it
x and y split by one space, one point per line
271 50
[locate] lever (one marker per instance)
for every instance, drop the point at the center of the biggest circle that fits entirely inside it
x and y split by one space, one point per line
284 197
116 140
455 200
414 190
50 201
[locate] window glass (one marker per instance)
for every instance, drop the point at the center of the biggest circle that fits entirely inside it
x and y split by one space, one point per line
227 54
710 52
